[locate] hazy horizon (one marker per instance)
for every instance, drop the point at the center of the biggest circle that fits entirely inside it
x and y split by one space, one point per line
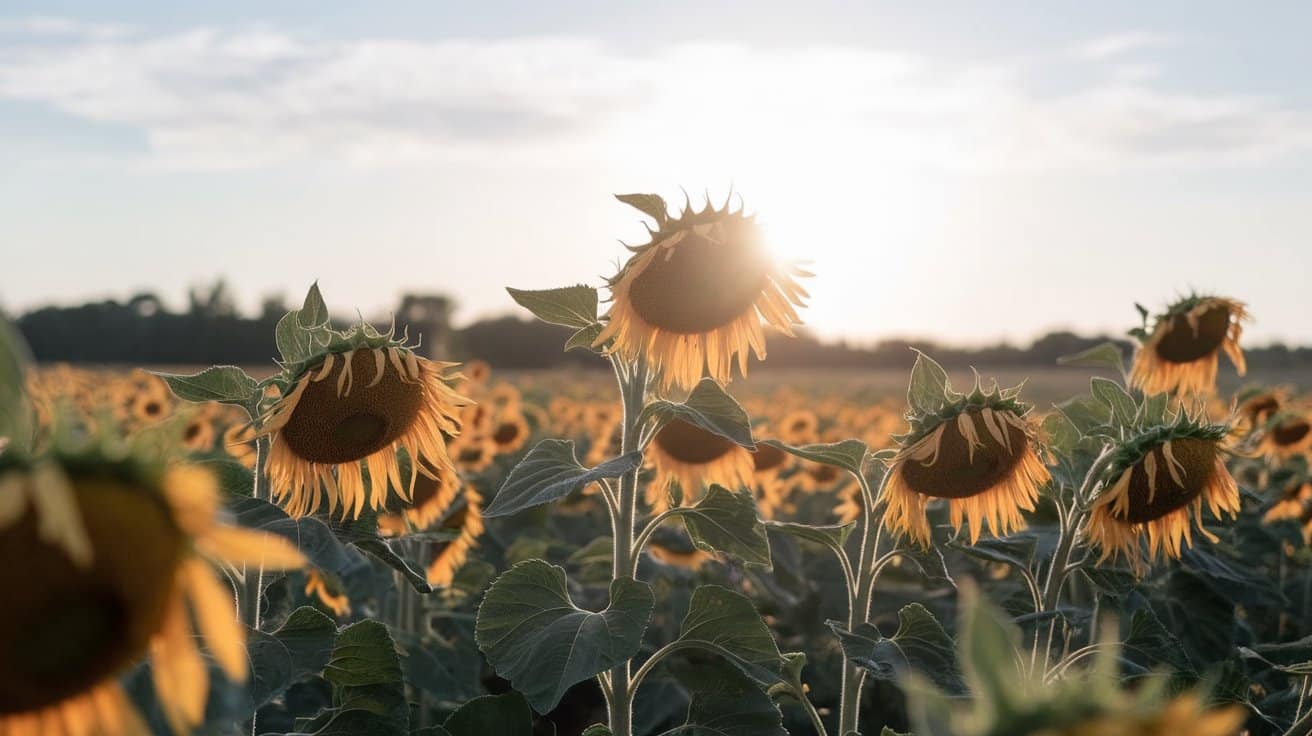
961 173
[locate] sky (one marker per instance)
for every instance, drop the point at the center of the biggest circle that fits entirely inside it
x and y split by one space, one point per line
967 171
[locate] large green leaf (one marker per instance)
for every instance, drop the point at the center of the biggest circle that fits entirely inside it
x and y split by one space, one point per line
726 521
549 472
299 648
710 407
226 384
1114 397
492 715
850 455
833 536
728 622
727 703
571 306
920 645
368 688
533 634
313 312
324 549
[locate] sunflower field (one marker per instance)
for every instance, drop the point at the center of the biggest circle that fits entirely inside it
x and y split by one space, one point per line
363 539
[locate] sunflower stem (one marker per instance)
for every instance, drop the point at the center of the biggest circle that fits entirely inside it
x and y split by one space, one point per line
254 584
633 395
849 712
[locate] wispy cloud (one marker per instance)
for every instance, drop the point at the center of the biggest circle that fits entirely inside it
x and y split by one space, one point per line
211 98
1121 44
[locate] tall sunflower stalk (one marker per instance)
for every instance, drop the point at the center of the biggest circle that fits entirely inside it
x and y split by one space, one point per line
687 307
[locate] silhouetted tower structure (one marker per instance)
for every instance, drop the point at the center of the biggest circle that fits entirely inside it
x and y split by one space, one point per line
429 316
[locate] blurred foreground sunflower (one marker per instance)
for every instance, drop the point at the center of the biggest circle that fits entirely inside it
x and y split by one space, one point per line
344 414
976 451
696 297
1160 480
1180 354
85 605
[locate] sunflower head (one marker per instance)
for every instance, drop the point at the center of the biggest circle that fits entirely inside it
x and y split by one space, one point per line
690 458
695 298
85 606
977 451
341 415
1287 434
1179 353
1155 488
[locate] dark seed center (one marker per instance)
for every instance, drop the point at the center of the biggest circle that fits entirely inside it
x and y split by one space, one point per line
331 429
767 457
691 444
1289 433
956 474
1181 344
1196 459
703 284
506 433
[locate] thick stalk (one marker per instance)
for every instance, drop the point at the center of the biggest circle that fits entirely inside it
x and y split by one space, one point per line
254 578
633 390
849 711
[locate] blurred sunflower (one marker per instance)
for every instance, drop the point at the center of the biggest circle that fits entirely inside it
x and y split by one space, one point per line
979 454
84 607
1287 434
450 556
799 427
473 453
348 411
239 443
1180 354
510 433
697 296
1295 504
317 587
769 463
1160 481
685 454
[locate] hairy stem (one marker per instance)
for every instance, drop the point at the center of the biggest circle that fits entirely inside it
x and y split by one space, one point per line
633 394
849 713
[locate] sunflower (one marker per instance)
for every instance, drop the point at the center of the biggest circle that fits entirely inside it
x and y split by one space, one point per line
349 411
1184 715
473 453
1287 434
688 558
979 454
1295 504
84 607
769 463
317 587
799 427
1180 354
1256 407
509 433
239 443
691 457
198 433
696 297
1159 482
450 556
431 497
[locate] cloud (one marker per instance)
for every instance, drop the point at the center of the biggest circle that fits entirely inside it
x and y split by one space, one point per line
1121 44
235 98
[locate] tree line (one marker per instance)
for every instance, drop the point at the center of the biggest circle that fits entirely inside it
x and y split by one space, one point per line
142 330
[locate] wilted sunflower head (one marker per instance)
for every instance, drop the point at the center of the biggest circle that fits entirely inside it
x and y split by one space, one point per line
693 458
1179 354
694 299
467 522
86 605
978 452
1158 482
349 409
1287 434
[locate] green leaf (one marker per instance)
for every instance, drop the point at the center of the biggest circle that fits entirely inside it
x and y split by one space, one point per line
1106 355
726 521
886 731
571 306
226 384
1153 409
295 343
313 312
549 472
368 687
312 537
709 407
726 703
534 635
728 622
833 536
649 204
492 715
1085 413
584 338
850 455
990 653
597 729
920 645
16 419
929 388
1016 550
382 551
301 647
1115 398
